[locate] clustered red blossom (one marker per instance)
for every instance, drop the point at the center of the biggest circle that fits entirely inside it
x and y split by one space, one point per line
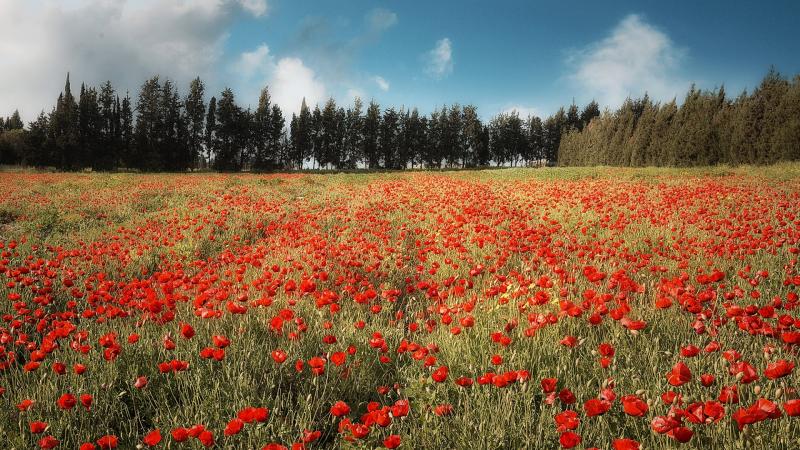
501 246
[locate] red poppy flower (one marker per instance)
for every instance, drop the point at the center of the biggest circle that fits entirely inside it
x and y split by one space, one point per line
625 444
400 408
596 407
220 341
108 442
187 331
251 414
233 427
180 434
340 409
152 438
679 375
38 427
279 356
392 441
66 401
86 401
792 407
567 420
569 439
140 382
48 442
634 406
440 375
25 405
443 410
206 438
778 369
549 385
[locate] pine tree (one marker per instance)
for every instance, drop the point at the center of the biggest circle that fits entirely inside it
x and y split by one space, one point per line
126 132
573 119
14 122
387 140
229 142
244 139
535 140
146 153
553 127
89 132
785 141
472 128
64 129
407 129
316 137
353 136
107 156
371 130
36 138
276 142
339 131
302 145
172 139
262 132
330 146
589 112
658 152
295 144
195 116
210 131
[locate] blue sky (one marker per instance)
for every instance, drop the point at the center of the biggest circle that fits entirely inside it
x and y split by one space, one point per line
530 56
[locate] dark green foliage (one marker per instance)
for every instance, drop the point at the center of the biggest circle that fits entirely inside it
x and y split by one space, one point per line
98 130
195 108
371 130
706 129
388 139
230 134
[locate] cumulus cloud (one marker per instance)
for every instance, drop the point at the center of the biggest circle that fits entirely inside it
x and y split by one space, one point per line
381 19
289 79
439 59
292 82
255 7
258 61
97 40
381 82
635 58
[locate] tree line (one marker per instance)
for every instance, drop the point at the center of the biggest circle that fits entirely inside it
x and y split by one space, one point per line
163 131
762 127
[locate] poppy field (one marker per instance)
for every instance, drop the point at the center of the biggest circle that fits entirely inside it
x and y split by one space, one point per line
522 308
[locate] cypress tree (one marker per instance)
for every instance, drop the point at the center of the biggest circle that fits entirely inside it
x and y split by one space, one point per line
195 108
371 129
262 132
210 131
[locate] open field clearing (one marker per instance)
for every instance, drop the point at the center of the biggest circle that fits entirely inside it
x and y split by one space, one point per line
529 308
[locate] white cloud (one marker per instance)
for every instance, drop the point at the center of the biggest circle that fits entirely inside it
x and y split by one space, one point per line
636 57
381 82
381 19
293 81
255 7
259 61
440 59
97 40
289 79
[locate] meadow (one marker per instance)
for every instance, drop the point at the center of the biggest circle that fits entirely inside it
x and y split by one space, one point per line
547 308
